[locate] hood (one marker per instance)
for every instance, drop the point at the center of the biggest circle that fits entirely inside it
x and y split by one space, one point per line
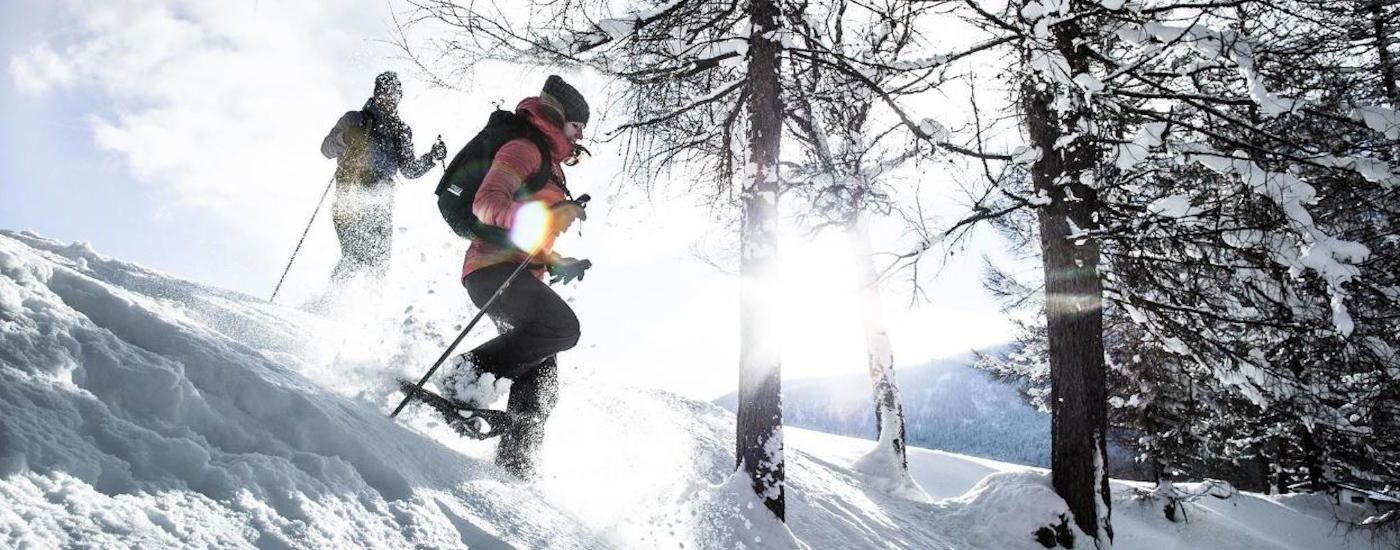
545 119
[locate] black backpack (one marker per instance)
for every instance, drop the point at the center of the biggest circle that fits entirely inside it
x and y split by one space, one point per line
462 178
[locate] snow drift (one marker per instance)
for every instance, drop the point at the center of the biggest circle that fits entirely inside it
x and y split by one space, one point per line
137 409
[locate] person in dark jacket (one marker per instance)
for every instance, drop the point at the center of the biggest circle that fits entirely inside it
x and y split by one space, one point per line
536 324
371 146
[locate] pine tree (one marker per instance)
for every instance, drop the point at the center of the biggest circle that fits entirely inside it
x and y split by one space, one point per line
1187 143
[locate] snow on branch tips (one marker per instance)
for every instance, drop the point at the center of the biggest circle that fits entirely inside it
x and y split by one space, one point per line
1129 154
1332 259
1213 45
1383 120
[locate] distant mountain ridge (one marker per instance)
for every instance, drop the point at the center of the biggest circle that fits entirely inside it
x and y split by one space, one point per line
948 405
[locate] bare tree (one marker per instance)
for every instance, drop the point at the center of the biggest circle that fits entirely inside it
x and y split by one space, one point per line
844 154
760 415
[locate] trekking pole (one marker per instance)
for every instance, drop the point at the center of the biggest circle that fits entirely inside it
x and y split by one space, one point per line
303 238
424 380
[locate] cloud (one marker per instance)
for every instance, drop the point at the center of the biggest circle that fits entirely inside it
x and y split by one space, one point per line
220 105
40 70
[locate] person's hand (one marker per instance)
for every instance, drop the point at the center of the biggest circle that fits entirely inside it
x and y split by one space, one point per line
563 214
439 151
563 270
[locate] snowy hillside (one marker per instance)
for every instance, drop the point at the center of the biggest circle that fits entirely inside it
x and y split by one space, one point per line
948 404
140 410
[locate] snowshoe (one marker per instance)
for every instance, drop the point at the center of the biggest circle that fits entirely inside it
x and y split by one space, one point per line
466 420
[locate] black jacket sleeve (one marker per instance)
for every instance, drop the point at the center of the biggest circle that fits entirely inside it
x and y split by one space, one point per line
410 166
334 143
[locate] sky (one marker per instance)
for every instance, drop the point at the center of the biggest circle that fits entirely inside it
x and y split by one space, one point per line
184 136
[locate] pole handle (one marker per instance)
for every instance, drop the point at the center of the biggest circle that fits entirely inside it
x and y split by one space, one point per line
442 161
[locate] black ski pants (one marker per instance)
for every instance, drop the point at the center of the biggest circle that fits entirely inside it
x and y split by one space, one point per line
535 324
363 222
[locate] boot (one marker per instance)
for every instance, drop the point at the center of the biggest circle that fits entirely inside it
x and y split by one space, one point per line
532 398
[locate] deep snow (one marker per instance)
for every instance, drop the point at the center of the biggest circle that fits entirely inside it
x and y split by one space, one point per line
137 409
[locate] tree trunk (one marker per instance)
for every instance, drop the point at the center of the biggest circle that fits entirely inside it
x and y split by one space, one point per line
1247 473
1278 476
1074 325
1073 298
1383 58
760 417
1155 455
1312 461
889 409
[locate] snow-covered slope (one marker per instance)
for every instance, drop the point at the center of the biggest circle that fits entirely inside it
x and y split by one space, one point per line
140 410
948 404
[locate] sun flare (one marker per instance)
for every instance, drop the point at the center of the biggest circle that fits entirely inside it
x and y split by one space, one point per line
821 329
531 226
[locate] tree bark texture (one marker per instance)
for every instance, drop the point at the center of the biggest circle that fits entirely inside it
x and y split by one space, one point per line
1073 297
1384 59
760 416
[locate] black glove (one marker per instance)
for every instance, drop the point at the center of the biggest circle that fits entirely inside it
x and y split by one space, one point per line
564 270
439 150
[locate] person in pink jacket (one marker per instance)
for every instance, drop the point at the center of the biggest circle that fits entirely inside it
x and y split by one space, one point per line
535 323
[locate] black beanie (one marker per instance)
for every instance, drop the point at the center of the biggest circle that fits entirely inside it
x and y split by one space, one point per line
387 82
566 98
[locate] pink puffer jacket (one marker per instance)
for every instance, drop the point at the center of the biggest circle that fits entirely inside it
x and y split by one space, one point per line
495 202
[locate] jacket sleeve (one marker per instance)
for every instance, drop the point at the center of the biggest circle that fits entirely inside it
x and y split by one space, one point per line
410 166
495 200
334 143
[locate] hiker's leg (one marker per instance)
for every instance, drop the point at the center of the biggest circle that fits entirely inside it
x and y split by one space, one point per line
540 323
346 219
378 236
533 323
532 397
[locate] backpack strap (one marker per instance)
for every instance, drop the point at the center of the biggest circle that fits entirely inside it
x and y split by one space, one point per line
534 182
540 177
